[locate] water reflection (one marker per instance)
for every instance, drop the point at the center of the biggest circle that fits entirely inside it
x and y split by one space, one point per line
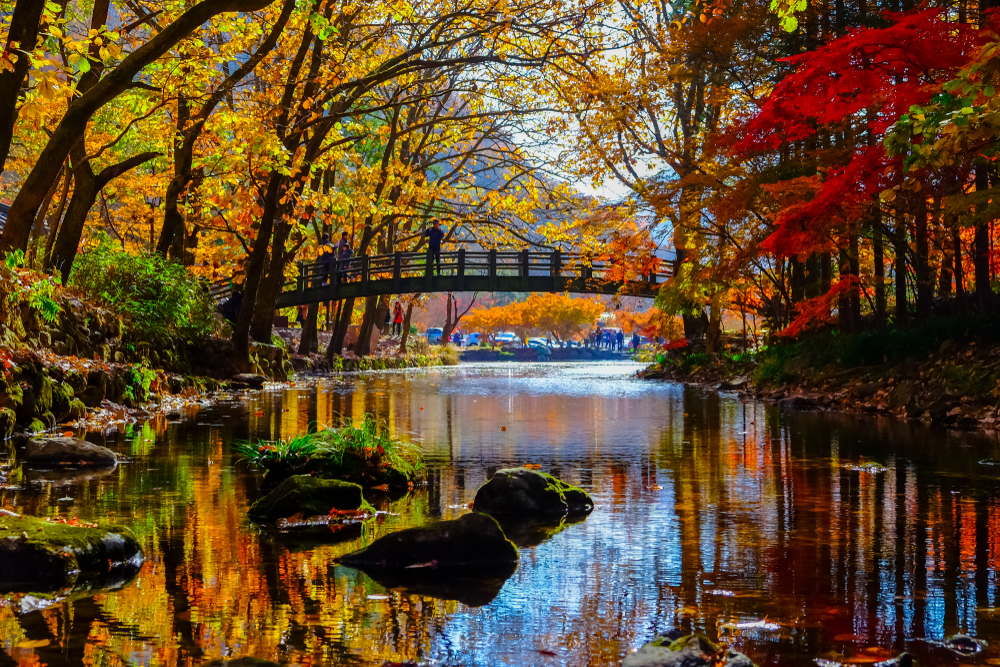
712 514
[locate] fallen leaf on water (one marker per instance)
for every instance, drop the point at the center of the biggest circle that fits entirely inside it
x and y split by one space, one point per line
544 652
502 428
421 408
751 625
259 413
656 487
847 637
68 434
34 643
532 466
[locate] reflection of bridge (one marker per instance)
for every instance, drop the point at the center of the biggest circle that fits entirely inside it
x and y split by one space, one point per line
461 271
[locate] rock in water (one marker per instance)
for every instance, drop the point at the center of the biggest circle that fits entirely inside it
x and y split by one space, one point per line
524 492
38 555
63 451
306 495
471 542
689 651
250 379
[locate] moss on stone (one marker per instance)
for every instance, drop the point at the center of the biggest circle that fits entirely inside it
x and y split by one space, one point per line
525 492
36 426
7 421
77 410
36 554
309 496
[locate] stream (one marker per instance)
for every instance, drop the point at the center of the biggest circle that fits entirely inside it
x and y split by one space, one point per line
790 536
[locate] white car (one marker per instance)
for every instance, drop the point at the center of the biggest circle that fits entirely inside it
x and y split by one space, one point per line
506 338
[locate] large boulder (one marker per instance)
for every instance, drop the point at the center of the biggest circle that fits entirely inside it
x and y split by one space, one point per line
38 555
308 496
689 651
473 542
65 451
524 492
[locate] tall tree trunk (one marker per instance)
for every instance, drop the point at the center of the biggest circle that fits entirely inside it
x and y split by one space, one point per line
254 271
270 286
406 329
959 269
56 219
309 343
340 330
925 283
878 252
88 185
981 248
36 232
363 346
854 266
899 265
24 24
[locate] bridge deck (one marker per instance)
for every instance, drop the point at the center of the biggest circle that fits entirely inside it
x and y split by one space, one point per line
461 271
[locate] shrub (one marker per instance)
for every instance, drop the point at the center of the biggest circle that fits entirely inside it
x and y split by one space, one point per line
159 300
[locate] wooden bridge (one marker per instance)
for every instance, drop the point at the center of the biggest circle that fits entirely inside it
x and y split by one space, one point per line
461 271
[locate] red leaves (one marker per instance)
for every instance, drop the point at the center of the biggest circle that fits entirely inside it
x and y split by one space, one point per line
879 70
816 312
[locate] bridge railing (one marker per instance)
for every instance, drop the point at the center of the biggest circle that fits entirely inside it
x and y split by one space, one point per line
484 263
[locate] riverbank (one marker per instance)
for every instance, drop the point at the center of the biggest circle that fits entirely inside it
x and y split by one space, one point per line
945 372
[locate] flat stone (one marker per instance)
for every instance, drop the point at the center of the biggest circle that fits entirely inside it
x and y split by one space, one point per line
524 492
308 496
65 451
472 542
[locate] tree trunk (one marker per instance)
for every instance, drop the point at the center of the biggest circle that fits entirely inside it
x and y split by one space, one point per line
450 310
406 329
854 266
270 286
925 283
899 265
340 330
878 252
363 346
84 195
24 25
36 232
55 220
254 270
981 248
959 269
309 343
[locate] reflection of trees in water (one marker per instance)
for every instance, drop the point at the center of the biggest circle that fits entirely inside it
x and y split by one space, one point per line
697 495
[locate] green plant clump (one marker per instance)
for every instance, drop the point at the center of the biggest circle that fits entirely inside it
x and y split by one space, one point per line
364 454
158 298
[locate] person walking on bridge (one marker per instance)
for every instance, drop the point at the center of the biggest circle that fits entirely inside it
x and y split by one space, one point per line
434 237
344 254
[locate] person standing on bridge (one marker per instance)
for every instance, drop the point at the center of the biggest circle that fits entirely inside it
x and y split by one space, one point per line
434 237
344 253
326 256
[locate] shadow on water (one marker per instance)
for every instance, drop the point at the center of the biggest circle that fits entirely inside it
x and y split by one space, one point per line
791 536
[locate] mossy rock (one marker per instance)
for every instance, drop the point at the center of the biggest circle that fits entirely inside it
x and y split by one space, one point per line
473 542
309 496
524 492
7 421
688 651
62 400
36 426
36 555
77 410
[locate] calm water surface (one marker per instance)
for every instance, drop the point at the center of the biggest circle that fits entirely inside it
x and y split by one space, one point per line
757 527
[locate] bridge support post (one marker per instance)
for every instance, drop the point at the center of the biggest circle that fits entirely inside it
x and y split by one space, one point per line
365 272
556 268
397 270
461 269
428 270
300 284
524 270
493 270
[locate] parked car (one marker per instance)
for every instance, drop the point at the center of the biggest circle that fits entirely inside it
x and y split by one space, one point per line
434 335
538 341
472 339
538 345
506 338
